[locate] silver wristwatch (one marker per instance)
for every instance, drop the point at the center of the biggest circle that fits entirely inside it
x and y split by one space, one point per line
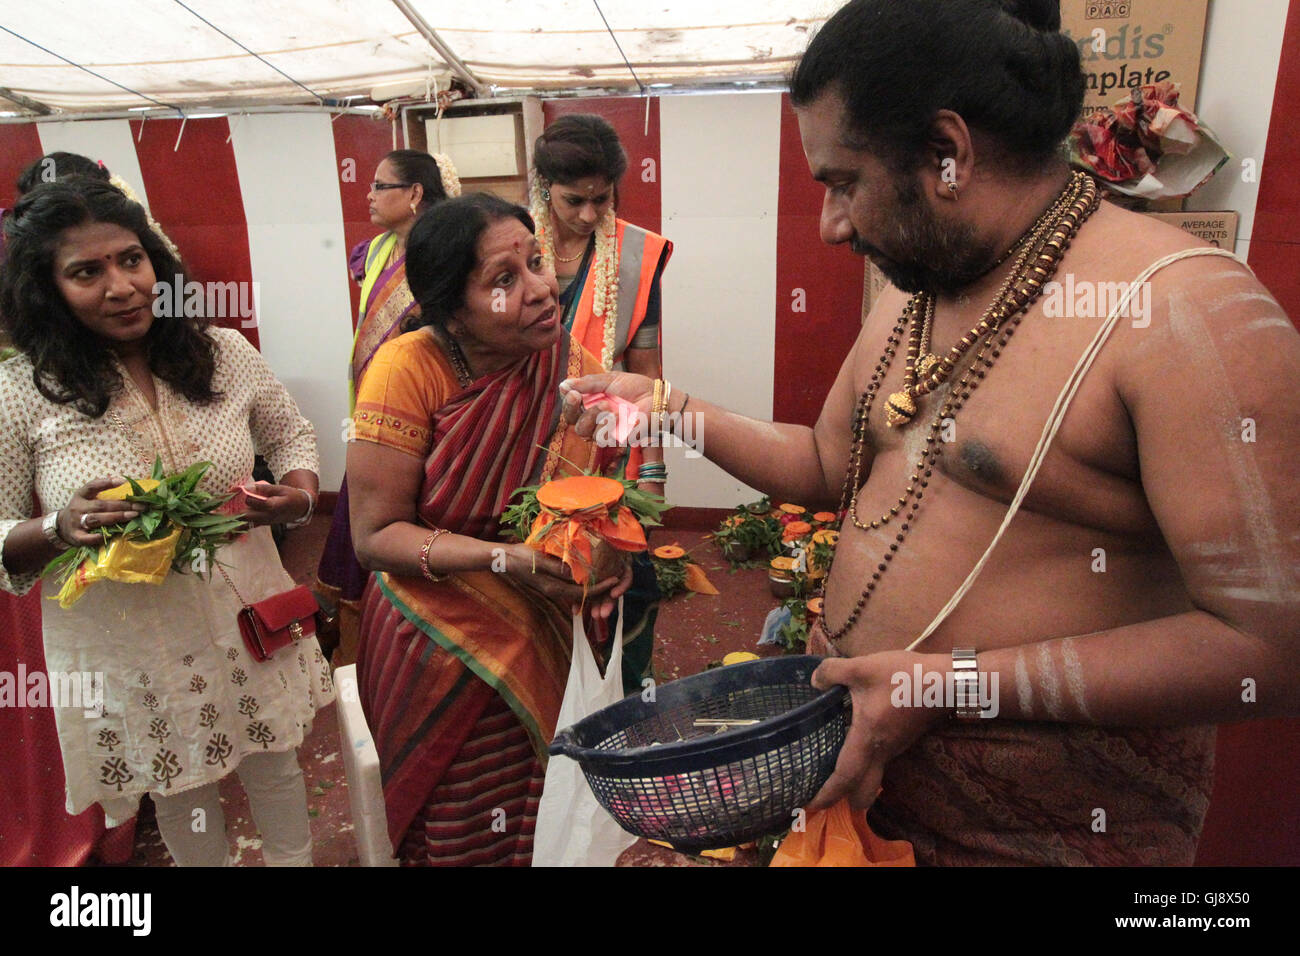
50 528
965 672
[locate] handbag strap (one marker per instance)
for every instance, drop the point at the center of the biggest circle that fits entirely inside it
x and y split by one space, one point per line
232 585
1058 415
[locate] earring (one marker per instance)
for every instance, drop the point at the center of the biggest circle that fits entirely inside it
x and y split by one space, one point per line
412 209
952 188
546 194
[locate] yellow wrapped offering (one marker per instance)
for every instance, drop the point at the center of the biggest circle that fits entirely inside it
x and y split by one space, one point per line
124 560
124 490
178 531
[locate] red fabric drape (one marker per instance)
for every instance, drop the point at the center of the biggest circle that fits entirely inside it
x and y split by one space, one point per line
35 829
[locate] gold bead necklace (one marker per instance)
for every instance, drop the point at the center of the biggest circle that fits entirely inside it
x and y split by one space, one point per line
1045 248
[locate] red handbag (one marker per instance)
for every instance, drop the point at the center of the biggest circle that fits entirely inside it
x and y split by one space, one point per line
278 621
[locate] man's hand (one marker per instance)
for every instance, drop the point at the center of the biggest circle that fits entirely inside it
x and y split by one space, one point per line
636 389
879 731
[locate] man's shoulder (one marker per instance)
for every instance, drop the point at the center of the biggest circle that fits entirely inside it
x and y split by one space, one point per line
1123 244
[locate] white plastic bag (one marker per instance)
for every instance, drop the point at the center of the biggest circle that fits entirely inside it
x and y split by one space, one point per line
573 829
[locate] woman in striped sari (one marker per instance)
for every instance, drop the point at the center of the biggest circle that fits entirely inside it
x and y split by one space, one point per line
465 641
407 182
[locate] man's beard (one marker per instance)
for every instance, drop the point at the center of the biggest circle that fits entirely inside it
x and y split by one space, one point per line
935 256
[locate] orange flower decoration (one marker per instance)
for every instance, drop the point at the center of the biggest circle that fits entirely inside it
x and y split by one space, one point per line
696 579
575 520
824 517
796 530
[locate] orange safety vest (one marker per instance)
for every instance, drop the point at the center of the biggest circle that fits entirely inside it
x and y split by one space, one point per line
639 253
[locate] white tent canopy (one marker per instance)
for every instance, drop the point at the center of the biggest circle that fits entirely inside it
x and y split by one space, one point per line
84 55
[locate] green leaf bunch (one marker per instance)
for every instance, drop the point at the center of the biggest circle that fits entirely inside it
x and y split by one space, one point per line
758 533
175 503
671 574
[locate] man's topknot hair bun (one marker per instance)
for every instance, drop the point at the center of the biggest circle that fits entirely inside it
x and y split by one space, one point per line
1039 14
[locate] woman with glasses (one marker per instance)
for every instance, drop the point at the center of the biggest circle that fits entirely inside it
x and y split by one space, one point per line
407 182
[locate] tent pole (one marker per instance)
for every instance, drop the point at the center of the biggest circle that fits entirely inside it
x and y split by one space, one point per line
452 60
26 102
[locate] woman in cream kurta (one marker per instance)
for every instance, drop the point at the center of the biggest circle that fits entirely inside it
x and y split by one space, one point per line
184 702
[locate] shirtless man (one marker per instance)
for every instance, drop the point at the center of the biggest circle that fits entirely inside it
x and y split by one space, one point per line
1148 587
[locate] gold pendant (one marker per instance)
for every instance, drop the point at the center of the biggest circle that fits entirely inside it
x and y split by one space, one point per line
899 409
925 365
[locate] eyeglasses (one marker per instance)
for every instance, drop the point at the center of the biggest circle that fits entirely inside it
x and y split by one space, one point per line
377 186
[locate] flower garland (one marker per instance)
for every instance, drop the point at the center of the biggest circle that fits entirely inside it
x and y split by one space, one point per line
447 173
120 184
604 301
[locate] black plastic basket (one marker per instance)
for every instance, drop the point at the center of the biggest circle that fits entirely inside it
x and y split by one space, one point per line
663 777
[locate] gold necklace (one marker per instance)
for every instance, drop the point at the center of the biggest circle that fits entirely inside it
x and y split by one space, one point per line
927 360
1011 308
925 371
559 258
459 363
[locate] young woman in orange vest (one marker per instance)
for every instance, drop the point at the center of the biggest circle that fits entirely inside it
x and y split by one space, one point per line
609 272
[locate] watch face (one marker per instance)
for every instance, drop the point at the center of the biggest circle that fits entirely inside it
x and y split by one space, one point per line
50 527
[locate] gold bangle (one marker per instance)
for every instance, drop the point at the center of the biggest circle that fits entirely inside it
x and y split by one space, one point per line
424 556
659 406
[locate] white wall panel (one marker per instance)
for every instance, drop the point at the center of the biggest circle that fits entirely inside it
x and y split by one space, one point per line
1243 46
289 181
719 163
108 141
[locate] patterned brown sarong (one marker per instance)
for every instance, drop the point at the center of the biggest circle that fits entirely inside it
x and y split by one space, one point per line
1003 792
1000 792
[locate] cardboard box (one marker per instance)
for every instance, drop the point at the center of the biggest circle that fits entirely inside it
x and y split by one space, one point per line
1140 42
873 283
1219 228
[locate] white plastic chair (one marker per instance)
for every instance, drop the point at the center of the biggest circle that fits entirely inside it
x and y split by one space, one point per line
361 764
